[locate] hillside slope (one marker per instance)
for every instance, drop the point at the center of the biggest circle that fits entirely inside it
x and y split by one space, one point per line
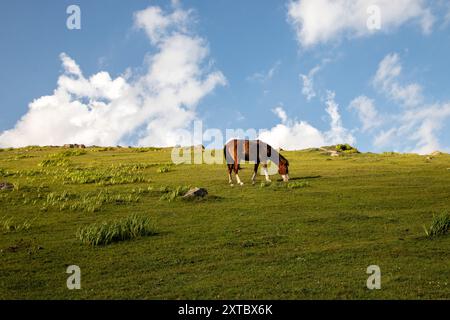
311 239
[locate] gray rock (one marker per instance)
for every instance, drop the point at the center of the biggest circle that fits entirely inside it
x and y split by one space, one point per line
196 192
6 186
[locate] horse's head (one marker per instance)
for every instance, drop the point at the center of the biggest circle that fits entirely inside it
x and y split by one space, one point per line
283 168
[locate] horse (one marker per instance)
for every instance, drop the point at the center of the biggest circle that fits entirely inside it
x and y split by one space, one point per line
255 151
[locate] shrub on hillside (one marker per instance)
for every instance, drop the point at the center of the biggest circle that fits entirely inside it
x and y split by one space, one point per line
346 148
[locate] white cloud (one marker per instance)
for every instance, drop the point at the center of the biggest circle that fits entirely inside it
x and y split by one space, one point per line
427 21
387 80
322 21
279 111
265 76
308 83
157 24
296 135
151 108
416 127
424 125
308 80
308 86
447 17
367 112
337 133
416 130
385 137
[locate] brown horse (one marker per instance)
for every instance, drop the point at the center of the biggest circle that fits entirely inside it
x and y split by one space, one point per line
255 151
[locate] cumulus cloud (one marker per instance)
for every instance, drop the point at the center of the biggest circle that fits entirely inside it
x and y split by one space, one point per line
419 127
387 80
295 135
367 112
322 21
418 123
152 108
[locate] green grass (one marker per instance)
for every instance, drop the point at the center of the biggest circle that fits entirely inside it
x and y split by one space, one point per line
275 241
120 230
298 184
440 225
171 194
59 162
69 153
8 224
163 169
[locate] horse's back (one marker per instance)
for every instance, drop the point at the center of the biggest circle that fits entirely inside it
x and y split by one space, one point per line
248 150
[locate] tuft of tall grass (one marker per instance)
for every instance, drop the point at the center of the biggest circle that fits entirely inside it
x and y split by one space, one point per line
58 162
440 225
19 157
6 173
389 153
68 153
123 229
103 149
9 225
89 202
170 194
163 169
113 175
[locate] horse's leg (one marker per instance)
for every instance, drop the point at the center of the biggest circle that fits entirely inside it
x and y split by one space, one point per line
236 170
230 169
266 173
255 172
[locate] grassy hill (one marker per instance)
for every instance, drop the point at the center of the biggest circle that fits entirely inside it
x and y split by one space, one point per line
313 238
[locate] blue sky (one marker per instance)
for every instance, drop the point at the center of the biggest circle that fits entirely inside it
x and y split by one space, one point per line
255 53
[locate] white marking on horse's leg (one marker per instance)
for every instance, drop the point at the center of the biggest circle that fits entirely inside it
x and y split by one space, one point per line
230 179
239 180
285 178
253 177
266 173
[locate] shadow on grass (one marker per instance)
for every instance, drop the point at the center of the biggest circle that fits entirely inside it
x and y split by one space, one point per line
301 178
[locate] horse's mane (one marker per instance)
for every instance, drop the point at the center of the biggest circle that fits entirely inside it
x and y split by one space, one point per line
283 158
